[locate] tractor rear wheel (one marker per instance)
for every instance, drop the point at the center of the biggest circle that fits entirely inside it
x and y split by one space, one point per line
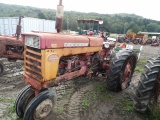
121 70
147 84
40 106
1 69
23 100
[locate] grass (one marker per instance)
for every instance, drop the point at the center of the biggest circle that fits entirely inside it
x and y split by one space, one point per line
99 92
85 103
140 65
100 87
142 61
59 111
4 99
10 110
94 95
102 92
139 69
151 114
126 106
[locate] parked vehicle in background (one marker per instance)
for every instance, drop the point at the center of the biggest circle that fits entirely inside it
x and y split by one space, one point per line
11 46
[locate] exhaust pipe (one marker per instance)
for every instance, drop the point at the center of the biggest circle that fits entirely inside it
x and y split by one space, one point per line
18 29
59 17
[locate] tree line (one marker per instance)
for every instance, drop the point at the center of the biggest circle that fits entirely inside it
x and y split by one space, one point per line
114 23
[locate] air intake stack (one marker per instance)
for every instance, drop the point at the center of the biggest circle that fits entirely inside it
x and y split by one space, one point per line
59 16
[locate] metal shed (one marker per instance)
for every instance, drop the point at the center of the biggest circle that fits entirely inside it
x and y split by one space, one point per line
8 25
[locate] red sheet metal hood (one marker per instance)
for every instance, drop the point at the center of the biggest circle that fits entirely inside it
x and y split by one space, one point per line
57 40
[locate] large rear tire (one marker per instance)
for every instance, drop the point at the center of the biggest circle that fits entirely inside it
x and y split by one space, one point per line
146 86
121 70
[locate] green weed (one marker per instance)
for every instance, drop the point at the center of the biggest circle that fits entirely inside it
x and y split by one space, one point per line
152 114
10 112
106 96
3 99
11 108
101 87
94 95
140 65
59 111
139 69
101 92
142 61
86 103
126 105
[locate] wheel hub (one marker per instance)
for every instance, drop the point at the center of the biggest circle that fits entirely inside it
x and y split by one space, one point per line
43 109
126 74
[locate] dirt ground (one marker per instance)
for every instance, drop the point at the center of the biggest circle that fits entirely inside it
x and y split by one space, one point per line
79 99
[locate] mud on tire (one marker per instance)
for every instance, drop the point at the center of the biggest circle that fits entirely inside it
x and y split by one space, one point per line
146 86
118 65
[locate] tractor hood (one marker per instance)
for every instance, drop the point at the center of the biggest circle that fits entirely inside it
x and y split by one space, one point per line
57 40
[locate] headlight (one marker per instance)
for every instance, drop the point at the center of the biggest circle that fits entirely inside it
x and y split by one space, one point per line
32 41
106 44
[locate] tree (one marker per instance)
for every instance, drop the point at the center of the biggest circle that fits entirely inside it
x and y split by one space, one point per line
41 15
151 27
136 28
115 23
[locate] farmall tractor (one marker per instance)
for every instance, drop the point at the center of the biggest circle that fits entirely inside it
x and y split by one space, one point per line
11 48
148 89
50 58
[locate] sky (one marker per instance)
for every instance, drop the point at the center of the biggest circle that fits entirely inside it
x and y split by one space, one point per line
145 8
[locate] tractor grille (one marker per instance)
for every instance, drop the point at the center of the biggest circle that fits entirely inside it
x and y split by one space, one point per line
33 66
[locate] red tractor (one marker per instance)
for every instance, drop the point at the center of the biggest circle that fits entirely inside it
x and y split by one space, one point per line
11 47
50 58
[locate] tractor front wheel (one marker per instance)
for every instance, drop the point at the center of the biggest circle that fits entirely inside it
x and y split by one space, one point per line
121 70
40 106
23 99
1 69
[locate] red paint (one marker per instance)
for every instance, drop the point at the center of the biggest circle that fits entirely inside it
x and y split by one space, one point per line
71 75
6 43
58 40
34 83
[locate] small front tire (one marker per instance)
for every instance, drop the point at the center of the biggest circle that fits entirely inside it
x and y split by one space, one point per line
1 69
40 106
23 99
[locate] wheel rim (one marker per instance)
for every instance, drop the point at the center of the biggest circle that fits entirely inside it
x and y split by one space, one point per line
127 73
43 109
